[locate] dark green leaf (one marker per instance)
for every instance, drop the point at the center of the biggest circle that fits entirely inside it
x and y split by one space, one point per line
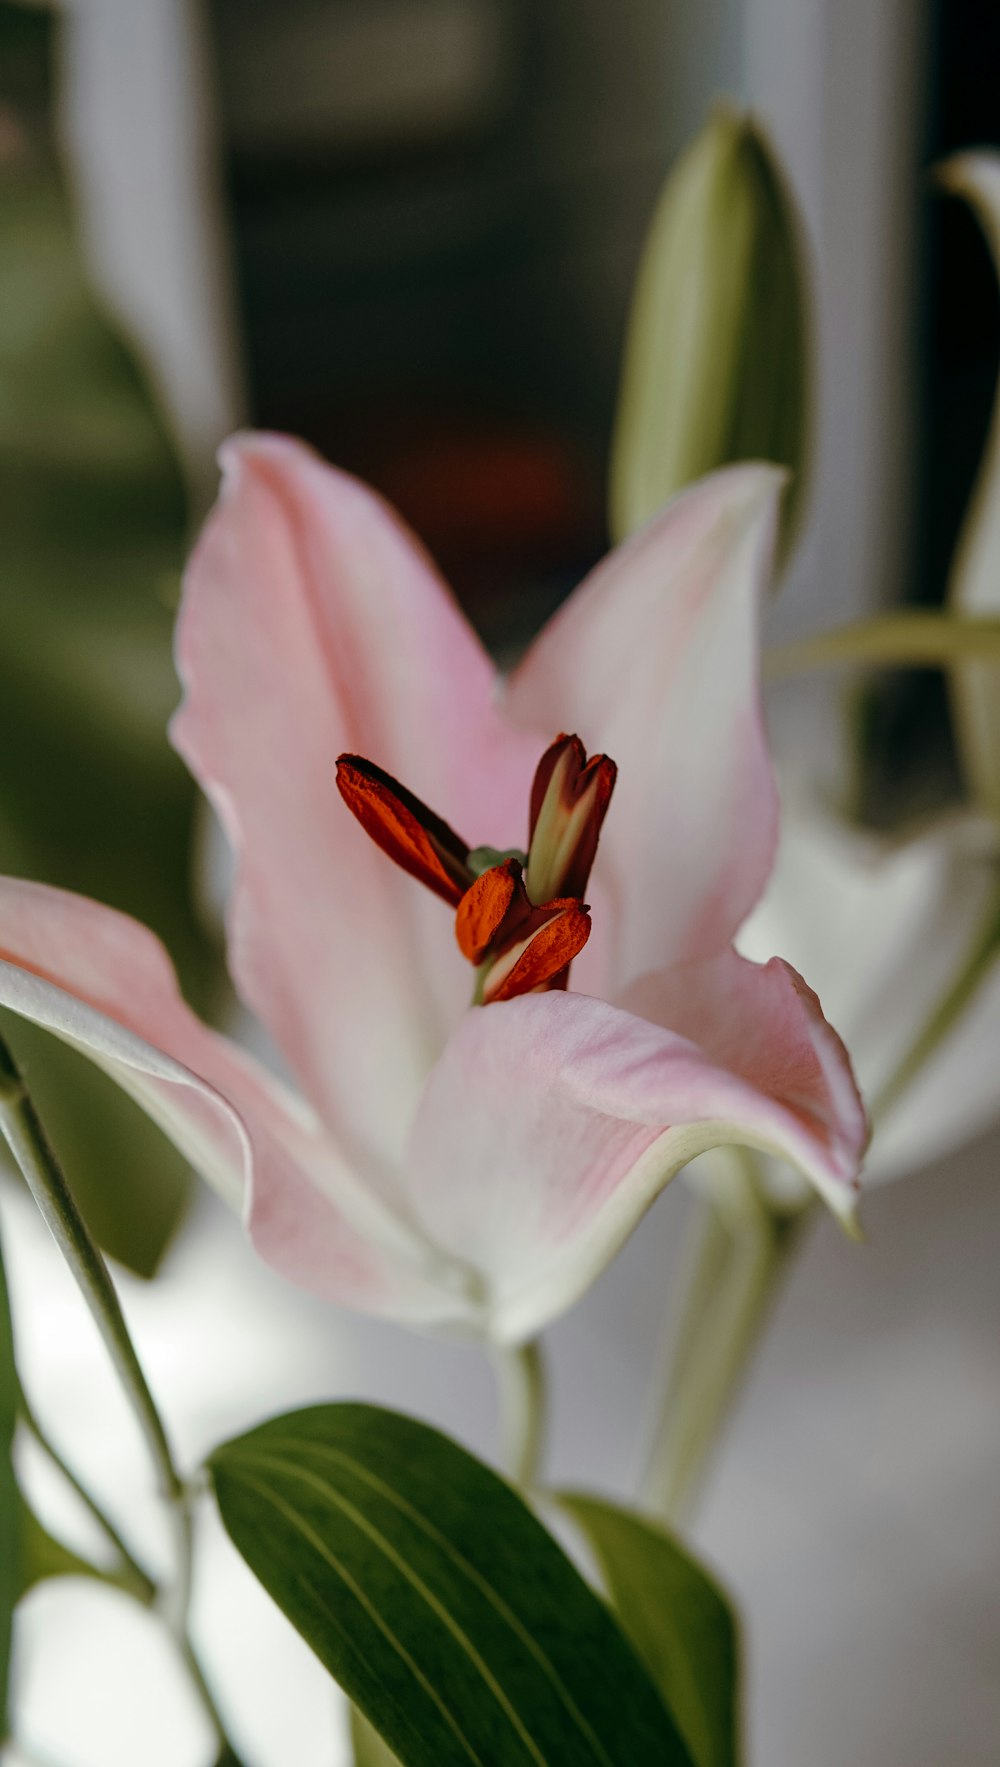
678 1619
428 1588
9 1511
368 1747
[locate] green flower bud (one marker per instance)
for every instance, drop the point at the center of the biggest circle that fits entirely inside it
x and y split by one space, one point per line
715 354
974 586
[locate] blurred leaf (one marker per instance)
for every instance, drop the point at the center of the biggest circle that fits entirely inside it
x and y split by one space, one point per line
41 1556
368 1748
9 1515
678 1619
974 585
93 515
715 363
431 1592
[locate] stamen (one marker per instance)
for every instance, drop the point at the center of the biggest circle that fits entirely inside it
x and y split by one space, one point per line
538 960
405 829
520 919
569 801
484 908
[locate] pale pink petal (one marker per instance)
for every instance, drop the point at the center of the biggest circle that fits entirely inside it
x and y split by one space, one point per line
552 1121
654 660
104 984
313 623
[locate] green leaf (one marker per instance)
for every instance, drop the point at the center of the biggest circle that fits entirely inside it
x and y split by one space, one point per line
9 1502
368 1747
678 1619
439 1602
41 1556
715 362
94 516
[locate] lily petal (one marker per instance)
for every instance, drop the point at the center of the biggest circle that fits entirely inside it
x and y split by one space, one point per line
655 661
104 984
551 1122
314 624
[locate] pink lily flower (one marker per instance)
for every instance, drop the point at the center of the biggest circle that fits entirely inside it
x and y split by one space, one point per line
442 1162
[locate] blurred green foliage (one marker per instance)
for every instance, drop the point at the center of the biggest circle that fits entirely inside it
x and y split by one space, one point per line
93 518
10 1518
41 1556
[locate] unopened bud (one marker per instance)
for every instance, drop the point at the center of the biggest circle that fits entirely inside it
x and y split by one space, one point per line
715 357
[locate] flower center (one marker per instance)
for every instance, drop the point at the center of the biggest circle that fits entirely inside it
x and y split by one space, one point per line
520 917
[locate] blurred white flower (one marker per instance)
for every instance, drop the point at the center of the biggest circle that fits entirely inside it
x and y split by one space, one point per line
894 932
885 929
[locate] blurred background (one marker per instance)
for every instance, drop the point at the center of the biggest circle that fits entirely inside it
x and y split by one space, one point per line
407 230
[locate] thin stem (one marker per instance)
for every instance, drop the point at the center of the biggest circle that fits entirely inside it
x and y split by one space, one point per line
25 1135
521 1386
23 1131
709 1248
130 1572
982 954
906 639
740 1262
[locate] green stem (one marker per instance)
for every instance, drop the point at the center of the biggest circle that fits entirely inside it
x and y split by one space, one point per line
130 1574
23 1131
982 954
907 638
521 1387
25 1135
736 1273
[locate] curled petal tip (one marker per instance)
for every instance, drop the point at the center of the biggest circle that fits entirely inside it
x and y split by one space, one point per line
852 1226
844 1208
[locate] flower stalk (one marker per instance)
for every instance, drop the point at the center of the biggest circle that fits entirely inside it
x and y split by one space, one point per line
25 1135
128 1573
744 1248
522 1393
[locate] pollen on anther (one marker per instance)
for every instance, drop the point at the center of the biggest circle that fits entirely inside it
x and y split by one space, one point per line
484 907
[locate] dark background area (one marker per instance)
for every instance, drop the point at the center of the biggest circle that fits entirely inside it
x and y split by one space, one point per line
434 250
908 726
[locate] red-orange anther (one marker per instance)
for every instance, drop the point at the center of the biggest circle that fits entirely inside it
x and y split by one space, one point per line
405 828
